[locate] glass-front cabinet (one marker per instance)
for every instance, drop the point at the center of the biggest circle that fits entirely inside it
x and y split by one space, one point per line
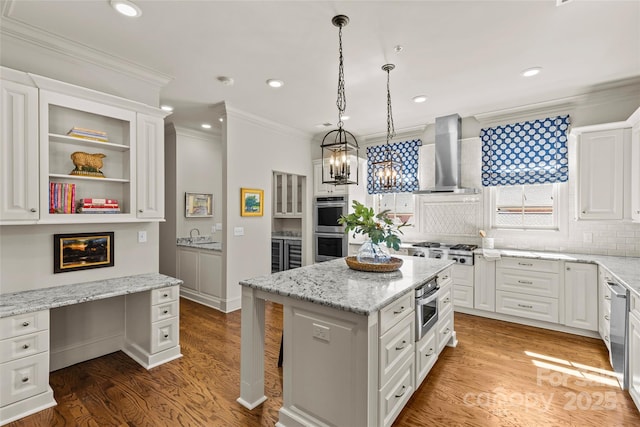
288 198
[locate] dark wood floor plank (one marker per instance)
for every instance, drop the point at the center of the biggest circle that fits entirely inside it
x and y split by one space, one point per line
487 380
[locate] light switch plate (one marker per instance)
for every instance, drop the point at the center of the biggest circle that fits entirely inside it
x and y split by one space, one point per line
218 226
142 236
238 231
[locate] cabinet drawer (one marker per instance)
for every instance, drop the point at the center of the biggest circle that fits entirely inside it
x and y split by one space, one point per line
394 312
444 277
529 306
23 346
528 282
24 324
164 311
397 392
164 334
24 377
426 355
529 264
463 296
445 300
163 295
634 304
444 330
462 274
395 346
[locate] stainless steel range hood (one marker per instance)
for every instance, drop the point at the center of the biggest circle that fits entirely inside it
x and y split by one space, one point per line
447 154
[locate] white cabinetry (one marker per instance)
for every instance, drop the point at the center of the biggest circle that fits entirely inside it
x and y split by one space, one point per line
201 271
24 365
635 169
320 189
601 175
444 326
581 295
634 348
152 328
150 167
604 306
288 195
462 276
484 278
19 152
528 288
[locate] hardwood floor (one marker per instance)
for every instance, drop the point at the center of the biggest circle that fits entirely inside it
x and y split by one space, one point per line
500 374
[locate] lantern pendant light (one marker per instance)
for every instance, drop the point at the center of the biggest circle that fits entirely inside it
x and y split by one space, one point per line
388 171
340 147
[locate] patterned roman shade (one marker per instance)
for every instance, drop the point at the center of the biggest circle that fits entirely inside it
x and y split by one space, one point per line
533 152
409 151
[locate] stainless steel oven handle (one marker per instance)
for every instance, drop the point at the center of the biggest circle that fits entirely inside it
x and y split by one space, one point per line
425 301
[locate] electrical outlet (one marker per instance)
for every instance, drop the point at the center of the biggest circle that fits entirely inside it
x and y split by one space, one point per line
218 226
321 332
238 231
213 229
142 236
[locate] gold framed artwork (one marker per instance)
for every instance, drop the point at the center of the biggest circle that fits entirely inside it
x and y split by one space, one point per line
198 205
82 251
251 202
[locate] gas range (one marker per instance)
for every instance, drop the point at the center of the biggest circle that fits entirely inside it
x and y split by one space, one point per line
460 253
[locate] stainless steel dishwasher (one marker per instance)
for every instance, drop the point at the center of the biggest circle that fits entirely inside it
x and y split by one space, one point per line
619 333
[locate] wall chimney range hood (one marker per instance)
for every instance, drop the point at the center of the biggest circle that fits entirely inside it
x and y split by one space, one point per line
447 155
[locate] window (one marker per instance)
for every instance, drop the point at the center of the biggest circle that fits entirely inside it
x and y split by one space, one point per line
525 207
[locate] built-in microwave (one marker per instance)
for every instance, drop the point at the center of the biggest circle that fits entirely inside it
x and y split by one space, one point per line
327 210
330 246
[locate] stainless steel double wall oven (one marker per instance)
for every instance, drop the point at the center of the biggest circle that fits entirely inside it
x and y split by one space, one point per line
330 240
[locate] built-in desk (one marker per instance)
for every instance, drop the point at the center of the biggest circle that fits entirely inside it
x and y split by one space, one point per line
147 330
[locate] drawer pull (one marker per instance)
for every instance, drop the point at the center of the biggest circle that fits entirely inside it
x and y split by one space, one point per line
606 317
446 331
25 324
527 264
525 306
430 353
606 338
399 311
404 389
446 300
525 282
165 295
404 344
607 297
33 210
165 312
25 379
25 347
445 277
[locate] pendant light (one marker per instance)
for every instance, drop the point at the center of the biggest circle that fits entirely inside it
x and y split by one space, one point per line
339 147
388 172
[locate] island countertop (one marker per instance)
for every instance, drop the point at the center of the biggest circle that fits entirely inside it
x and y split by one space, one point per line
335 285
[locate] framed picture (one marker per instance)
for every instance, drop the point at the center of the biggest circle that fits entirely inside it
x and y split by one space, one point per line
198 205
251 202
82 251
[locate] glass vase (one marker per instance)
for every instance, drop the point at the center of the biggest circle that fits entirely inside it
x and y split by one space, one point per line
373 253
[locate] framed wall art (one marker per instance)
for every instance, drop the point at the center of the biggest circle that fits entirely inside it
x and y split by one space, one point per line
198 205
251 202
82 251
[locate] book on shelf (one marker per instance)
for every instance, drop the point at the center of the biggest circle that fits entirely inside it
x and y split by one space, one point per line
98 210
98 201
62 198
90 134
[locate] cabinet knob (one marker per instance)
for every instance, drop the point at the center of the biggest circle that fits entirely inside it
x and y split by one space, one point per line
26 346
165 295
166 335
25 324
33 210
584 212
165 312
140 210
25 379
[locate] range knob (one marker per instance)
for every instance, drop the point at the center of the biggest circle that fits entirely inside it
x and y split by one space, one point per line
462 260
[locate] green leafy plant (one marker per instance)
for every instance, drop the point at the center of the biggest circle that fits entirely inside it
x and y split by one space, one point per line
380 228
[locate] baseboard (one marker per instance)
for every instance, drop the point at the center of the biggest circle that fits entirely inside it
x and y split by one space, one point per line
147 360
70 355
225 306
27 406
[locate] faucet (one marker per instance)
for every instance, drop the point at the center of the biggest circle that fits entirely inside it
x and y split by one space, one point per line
191 232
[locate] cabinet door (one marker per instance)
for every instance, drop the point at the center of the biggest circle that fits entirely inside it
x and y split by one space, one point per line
484 296
188 268
581 296
19 150
150 167
634 358
279 193
600 175
635 173
319 189
210 278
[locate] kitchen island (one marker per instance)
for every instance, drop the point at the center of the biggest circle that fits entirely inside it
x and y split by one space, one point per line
349 341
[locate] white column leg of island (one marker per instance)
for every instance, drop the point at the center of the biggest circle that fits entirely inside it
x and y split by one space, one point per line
252 350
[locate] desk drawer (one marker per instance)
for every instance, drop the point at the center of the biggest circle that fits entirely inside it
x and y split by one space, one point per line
529 306
528 282
394 312
445 299
395 346
23 346
426 355
397 392
445 277
22 324
24 377
163 295
164 311
164 334
444 330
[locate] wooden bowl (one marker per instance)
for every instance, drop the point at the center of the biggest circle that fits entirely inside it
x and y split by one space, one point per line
393 265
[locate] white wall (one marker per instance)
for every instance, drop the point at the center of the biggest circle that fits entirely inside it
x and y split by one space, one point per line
254 148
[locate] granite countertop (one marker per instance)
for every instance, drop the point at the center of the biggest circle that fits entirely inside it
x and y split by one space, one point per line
334 284
285 237
199 242
626 270
60 296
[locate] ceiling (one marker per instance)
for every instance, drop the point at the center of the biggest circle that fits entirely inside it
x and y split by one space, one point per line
465 56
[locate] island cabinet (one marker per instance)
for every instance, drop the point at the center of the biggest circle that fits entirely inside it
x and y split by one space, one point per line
349 342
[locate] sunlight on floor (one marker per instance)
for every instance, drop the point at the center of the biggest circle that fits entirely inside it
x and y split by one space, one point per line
577 370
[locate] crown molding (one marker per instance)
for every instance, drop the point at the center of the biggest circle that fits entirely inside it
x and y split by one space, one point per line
404 134
13 28
261 121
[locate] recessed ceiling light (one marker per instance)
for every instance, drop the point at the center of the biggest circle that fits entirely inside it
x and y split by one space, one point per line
227 81
206 126
530 72
275 83
126 8
420 98
345 117
166 107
